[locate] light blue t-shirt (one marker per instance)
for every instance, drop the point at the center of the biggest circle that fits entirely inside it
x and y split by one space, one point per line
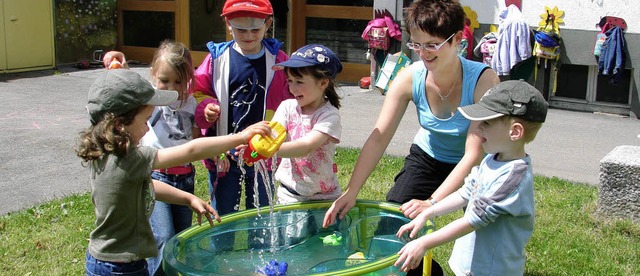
444 139
501 209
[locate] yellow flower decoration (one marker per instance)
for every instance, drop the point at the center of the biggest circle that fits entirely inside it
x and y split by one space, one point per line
493 28
473 18
551 19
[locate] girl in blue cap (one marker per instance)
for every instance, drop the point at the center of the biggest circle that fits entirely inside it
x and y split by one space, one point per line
307 170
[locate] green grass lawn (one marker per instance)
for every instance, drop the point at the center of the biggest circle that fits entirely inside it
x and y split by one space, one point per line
569 238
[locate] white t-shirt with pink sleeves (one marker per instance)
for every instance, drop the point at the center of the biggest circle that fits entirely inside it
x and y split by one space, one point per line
312 177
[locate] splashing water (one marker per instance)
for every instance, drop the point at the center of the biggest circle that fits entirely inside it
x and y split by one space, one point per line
267 173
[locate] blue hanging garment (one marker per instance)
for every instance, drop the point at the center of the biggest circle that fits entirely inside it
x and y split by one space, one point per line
612 55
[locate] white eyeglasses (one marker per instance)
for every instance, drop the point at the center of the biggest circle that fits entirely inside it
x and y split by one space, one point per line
429 46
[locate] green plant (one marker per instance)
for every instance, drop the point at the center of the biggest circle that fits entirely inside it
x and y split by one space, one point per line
83 27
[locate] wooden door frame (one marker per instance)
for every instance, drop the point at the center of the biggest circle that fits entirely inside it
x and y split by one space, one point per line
180 9
182 32
299 11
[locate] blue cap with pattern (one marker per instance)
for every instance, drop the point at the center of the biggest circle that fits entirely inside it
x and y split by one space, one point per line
313 55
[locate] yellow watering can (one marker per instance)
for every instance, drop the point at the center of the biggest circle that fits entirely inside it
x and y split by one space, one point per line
263 147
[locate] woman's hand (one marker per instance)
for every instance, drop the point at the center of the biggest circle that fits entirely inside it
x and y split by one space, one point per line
341 206
414 207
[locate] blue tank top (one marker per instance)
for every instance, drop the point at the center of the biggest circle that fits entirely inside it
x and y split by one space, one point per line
444 139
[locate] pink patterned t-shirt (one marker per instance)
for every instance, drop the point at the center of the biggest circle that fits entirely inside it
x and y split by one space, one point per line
312 177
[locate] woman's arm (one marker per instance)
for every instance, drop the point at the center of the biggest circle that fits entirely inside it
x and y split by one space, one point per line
393 108
473 151
473 154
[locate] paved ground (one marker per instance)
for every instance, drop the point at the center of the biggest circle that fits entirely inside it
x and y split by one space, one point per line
43 112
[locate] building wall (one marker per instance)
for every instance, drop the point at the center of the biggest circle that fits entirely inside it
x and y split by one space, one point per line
580 19
579 29
579 14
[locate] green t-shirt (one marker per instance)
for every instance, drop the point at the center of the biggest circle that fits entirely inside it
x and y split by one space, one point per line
123 196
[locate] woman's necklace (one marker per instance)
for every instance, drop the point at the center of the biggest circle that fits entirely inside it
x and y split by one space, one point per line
444 98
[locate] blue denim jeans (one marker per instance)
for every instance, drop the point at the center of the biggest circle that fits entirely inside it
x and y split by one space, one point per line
169 219
213 182
94 267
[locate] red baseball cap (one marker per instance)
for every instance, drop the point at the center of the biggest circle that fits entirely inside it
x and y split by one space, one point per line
246 8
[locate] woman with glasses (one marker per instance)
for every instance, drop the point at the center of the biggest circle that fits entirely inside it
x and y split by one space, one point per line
447 146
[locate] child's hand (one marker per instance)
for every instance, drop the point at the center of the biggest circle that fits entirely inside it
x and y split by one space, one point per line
114 55
237 150
414 207
414 226
211 112
223 163
200 207
411 255
261 128
233 154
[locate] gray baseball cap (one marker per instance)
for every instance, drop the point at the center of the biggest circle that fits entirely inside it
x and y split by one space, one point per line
514 98
119 91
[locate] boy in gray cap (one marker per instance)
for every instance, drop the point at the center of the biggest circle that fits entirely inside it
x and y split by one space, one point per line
498 194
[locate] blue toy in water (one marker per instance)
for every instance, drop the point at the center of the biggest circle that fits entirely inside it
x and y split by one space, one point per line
274 268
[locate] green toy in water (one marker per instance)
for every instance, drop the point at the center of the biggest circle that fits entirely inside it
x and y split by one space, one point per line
333 239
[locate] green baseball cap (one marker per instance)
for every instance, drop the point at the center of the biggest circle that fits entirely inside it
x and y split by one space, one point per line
120 91
514 98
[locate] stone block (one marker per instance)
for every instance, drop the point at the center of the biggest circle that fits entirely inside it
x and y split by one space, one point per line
619 189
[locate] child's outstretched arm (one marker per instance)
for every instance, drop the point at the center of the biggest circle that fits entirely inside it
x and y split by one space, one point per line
449 204
170 194
412 253
206 147
303 146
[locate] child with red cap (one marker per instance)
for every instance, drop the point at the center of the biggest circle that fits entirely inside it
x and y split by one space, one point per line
235 87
